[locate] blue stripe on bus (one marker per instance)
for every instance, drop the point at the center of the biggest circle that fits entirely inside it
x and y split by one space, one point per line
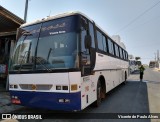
49 100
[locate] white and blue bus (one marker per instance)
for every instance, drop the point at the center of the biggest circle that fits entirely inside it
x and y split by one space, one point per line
65 62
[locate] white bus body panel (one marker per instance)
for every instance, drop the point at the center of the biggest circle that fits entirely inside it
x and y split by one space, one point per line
112 69
104 62
54 79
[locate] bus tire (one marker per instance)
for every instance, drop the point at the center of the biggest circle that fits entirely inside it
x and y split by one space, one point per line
125 78
99 92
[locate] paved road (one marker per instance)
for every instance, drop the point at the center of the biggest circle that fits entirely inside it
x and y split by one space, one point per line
149 75
152 75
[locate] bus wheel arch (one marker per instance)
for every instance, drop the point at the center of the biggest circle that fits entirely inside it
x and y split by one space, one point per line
101 91
103 85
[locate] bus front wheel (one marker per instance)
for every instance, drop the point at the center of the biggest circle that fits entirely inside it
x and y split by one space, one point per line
99 94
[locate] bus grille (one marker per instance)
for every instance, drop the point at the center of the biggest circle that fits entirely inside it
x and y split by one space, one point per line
36 86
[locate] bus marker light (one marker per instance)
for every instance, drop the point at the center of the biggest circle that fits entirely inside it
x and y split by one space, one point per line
74 87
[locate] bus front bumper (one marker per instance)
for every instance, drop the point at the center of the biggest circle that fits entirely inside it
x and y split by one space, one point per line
47 100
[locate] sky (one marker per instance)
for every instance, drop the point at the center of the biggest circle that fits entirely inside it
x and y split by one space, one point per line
137 22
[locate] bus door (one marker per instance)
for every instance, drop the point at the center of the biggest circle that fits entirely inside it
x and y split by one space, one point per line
88 53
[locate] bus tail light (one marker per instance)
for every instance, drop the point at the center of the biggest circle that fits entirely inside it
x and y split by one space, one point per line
74 87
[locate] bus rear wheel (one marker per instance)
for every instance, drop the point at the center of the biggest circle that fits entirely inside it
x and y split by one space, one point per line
125 78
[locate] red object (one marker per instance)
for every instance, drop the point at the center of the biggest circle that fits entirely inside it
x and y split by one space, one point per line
16 101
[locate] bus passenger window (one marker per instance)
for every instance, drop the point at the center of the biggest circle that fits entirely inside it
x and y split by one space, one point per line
91 31
99 39
116 50
120 50
105 44
83 34
111 48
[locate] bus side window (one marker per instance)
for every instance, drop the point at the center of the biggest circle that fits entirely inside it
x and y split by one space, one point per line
105 49
85 52
111 48
91 32
120 50
116 50
99 40
83 34
123 54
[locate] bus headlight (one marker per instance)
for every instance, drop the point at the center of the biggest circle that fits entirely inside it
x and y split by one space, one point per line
13 86
65 87
61 87
58 87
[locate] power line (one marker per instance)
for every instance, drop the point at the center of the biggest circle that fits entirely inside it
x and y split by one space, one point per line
155 19
138 17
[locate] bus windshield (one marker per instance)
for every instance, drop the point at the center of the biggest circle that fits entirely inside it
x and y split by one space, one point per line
48 45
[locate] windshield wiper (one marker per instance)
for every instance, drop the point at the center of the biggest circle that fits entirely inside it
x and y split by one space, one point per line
49 52
24 56
39 61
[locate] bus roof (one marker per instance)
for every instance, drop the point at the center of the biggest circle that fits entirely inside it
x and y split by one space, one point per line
60 16
69 14
56 17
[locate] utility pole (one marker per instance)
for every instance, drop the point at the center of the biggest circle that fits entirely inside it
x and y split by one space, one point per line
158 55
26 10
155 56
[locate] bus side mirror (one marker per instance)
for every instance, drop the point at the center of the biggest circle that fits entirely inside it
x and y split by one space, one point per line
87 41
